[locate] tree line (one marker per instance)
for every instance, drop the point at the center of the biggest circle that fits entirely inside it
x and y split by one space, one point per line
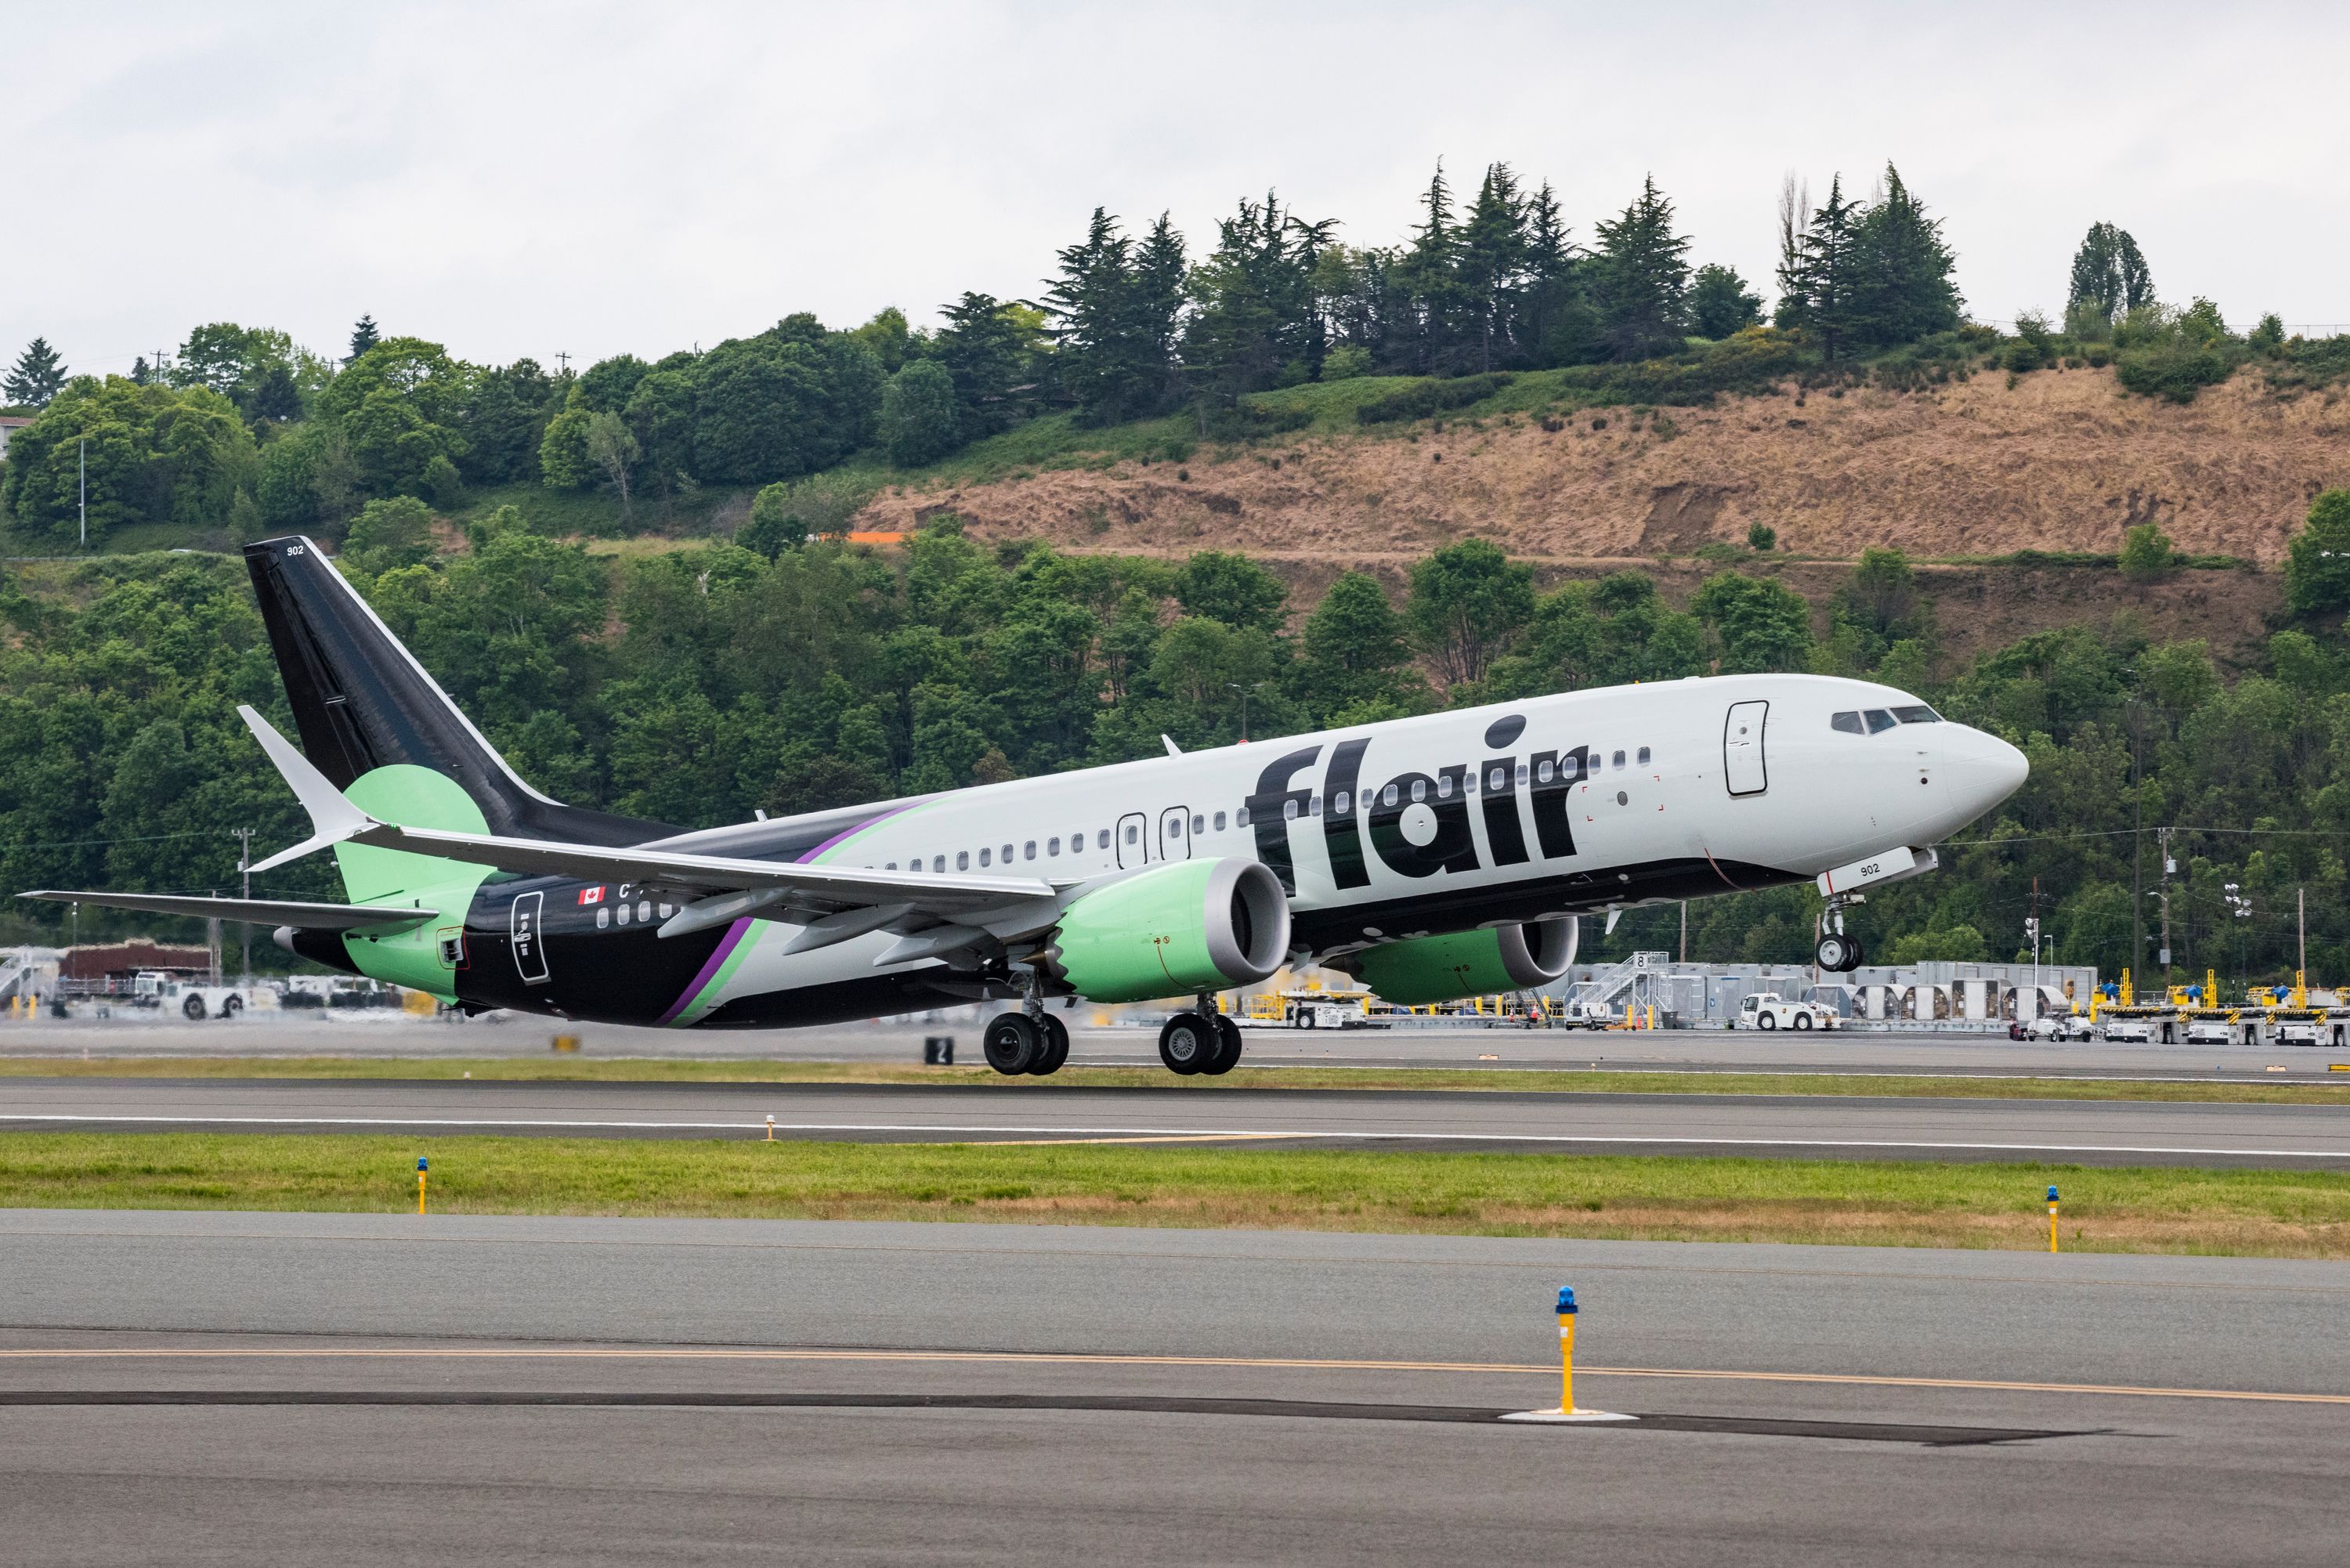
699 685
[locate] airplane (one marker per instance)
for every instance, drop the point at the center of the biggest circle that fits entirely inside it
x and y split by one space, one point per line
1434 858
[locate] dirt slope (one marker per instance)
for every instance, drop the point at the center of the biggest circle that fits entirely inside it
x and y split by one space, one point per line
2062 461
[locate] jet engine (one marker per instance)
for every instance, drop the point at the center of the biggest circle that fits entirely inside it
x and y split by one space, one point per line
1422 969
1175 930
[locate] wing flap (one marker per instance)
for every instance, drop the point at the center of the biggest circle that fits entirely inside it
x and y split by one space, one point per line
257 911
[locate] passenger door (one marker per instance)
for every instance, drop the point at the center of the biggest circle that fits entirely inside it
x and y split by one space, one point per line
1175 834
523 931
1742 748
1133 843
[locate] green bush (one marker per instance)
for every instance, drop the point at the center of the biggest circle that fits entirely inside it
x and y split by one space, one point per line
920 420
1345 362
2175 369
2317 562
1762 536
1423 400
2146 553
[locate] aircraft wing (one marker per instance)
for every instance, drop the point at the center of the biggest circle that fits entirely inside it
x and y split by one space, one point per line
258 911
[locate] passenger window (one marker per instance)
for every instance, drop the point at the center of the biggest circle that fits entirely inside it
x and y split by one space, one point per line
1241 817
1199 824
1342 802
1028 850
982 857
1103 841
1220 817
1007 854
1444 787
1419 791
963 860
1847 723
1644 756
1879 720
603 917
1543 772
624 914
1313 806
938 863
1521 775
1497 778
891 867
1133 833
1918 715
1616 762
1052 847
1568 767
1289 810
1388 797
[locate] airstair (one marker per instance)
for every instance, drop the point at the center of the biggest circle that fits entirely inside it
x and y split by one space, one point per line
1633 980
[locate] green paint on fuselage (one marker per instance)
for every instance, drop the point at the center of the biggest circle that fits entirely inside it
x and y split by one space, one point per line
412 796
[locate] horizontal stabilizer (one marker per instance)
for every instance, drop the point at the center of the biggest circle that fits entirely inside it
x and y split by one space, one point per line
259 911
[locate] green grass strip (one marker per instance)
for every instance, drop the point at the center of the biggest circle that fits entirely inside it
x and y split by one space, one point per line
2277 1213
1512 1080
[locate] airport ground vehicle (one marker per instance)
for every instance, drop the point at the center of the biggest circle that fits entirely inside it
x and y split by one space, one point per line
2131 1030
2301 1031
1769 1010
2053 1026
190 999
1434 858
2210 1031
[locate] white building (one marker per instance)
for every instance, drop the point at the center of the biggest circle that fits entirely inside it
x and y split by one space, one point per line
9 425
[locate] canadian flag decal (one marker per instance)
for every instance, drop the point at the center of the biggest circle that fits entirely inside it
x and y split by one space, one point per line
591 895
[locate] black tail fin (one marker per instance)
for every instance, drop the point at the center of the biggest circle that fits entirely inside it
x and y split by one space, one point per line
361 701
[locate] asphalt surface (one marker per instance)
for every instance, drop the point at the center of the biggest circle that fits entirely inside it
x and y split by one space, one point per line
2106 1132
1856 1050
292 1389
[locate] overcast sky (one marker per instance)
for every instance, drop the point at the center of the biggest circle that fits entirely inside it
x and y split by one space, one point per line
513 180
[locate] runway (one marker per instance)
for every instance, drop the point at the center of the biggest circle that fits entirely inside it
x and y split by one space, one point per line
899 1040
234 1387
2106 1132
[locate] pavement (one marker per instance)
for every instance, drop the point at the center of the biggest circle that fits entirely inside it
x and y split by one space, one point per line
2100 1132
225 1387
1857 1050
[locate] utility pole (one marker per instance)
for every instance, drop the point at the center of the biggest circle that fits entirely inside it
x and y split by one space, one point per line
244 869
2162 837
84 483
563 362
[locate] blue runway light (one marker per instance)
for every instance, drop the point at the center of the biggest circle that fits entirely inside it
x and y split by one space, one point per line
2052 1195
419 1165
1566 1300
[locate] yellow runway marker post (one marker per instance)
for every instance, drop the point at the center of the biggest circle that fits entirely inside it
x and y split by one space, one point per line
420 1184
2052 1219
1567 1410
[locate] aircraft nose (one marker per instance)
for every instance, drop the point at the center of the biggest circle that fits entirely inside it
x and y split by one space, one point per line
1983 770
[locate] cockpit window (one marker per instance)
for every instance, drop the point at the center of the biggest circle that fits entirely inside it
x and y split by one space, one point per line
1849 724
1921 715
1879 720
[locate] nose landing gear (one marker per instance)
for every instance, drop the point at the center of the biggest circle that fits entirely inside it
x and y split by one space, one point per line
1837 953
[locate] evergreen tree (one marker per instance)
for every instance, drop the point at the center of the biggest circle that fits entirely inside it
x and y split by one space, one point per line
140 374
37 377
1794 206
1720 302
1826 284
1427 335
1902 289
986 353
1488 266
1639 279
363 336
1114 307
1552 323
1253 324
1161 271
920 420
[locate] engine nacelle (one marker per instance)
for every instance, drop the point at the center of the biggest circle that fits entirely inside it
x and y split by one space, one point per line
1175 929
1422 969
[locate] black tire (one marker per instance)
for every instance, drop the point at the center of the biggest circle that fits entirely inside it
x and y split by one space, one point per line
1859 954
1306 1020
231 1005
1803 1021
1011 1043
1836 953
1187 1043
1055 1051
1767 1021
1228 1048
192 1009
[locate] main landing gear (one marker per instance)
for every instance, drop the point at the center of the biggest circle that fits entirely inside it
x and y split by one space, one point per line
1837 952
1200 1041
1031 1041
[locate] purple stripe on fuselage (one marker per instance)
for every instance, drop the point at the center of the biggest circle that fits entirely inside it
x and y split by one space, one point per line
702 977
849 833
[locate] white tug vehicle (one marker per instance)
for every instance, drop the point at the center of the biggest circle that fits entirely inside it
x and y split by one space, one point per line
1769 1010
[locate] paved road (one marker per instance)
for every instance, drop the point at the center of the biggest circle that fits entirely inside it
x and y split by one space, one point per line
545 1390
2088 1131
1714 1050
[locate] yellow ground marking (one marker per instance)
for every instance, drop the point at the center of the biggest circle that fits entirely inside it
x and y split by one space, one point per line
1097 1359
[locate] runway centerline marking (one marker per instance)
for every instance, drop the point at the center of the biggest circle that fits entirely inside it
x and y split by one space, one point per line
1084 1133
1083 1358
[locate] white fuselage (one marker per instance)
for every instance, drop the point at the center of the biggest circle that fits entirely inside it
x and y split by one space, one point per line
1577 802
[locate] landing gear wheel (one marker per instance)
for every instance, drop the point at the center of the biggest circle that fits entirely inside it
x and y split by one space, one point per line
1803 1021
1228 1048
1056 1048
192 1009
1187 1043
1012 1045
1837 953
